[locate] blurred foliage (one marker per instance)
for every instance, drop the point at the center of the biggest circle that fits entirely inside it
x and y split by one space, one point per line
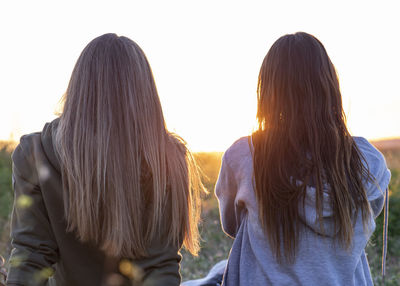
5 178
6 195
209 163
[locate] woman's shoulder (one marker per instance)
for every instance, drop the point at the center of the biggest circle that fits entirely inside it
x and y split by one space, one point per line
376 164
239 152
30 147
26 146
23 157
366 147
373 157
31 142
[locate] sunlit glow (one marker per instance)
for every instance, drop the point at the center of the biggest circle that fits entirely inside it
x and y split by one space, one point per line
205 56
43 274
24 201
131 270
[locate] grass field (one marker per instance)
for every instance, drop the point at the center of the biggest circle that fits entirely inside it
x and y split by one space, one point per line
215 244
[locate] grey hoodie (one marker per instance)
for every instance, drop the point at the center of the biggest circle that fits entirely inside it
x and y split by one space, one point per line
319 261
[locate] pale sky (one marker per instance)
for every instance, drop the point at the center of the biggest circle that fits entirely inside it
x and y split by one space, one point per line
205 57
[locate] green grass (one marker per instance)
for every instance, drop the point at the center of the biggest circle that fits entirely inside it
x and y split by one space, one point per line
215 245
5 179
374 248
6 195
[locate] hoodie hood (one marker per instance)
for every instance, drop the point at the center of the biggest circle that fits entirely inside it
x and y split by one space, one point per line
309 214
47 138
375 188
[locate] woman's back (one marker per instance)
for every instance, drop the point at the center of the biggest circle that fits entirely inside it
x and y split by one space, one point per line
320 260
305 184
41 225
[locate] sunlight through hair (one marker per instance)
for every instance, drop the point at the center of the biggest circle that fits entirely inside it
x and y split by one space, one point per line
302 137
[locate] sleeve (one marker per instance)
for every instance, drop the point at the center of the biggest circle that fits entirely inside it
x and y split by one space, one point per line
378 184
376 190
34 248
380 175
226 189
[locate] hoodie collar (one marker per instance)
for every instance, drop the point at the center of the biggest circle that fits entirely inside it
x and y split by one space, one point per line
48 139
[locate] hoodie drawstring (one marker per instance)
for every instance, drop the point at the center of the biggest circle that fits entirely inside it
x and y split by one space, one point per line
385 234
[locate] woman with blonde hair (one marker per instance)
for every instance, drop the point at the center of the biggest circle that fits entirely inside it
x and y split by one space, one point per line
105 194
300 195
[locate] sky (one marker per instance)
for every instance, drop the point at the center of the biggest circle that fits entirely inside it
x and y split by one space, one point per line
205 56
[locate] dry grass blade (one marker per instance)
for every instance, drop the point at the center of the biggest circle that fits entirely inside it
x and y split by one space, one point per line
3 271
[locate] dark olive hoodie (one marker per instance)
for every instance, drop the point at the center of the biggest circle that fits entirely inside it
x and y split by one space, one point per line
41 245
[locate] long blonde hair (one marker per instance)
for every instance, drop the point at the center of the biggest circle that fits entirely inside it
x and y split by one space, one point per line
125 177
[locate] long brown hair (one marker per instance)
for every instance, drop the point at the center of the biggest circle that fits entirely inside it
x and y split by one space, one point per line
302 137
125 177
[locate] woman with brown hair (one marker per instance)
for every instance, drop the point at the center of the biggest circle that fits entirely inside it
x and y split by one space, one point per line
300 195
105 194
